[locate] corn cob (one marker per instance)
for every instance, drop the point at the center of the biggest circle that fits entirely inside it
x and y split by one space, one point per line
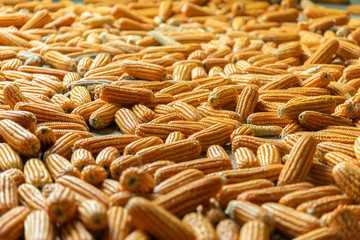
126 95
324 53
200 225
80 95
38 226
59 61
63 145
289 221
46 136
138 235
264 131
222 96
92 214
110 186
16 174
215 151
82 158
126 120
87 109
345 175
174 136
244 158
103 116
268 154
255 230
186 111
118 223
75 230
93 174
143 70
36 173
13 95
206 165
187 197
318 234
142 143
26 119
208 111
227 229
286 81
246 103
141 210
151 168
106 157
345 223
96 144
83 190
63 102
12 222
9 158
61 205
8 194
136 180
9 39
333 158
31 197
267 118
253 143
316 121
122 163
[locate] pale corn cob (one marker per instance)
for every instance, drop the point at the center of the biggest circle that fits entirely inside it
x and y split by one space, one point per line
142 210
81 158
83 189
12 222
110 186
253 143
61 205
296 198
13 95
333 158
8 194
87 109
96 144
272 194
215 151
174 136
103 116
83 66
187 197
178 180
200 225
36 173
9 39
31 197
289 221
318 234
75 230
46 136
59 61
80 95
227 229
63 102
122 163
38 226
345 223
25 119
206 165
106 157
93 174
137 180
268 154
16 174
126 121
244 158
186 111
50 116
63 145
267 118
270 172
126 95
345 175
9 158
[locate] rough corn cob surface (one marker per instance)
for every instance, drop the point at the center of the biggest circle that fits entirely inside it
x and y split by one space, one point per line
238 120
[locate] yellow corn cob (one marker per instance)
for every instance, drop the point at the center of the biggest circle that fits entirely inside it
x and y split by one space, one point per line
316 121
143 70
253 143
200 225
9 158
12 64
163 130
345 175
75 230
59 61
12 222
264 131
187 197
31 197
96 144
8 194
46 136
267 118
118 223
255 230
320 175
215 151
93 174
206 165
110 186
63 145
198 72
36 173
325 147
59 166
9 39
141 210
246 103
270 172
317 234
283 82
38 226
126 121
100 60
182 72
104 116
137 180
151 168
49 82
186 111
81 158
16 174
13 95
208 111
92 214
106 157
126 95
142 143
143 113
334 158
290 222
227 229
80 95
174 136
223 96
83 189
344 222
194 98
63 102
83 66
244 158
61 205
268 154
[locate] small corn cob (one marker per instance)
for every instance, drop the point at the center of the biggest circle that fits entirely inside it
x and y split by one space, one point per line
75 230
82 158
143 70
254 230
302 155
208 111
9 159
227 229
283 82
186 111
92 214
346 176
40 19
83 66
61 205
12 222
320 80
31 197
296 198
216 151
100 60
80 95
126 120
13 95
103 116
264 131
59 61
137 180
268 154
178 151
36 173
93 174
290 222
63 102
253 143
8 194
267 118
244 158
200 225
63 146
83 189
122 163
118 223
182 72
345 223
16 174
142 210
46 136
246 103
270 172
206 165
26 119
178 180
324 53
38 226
126 95
96 144
106 157
316 121
174 136
334 158
318 234
187 197
223 96
142 143
87 109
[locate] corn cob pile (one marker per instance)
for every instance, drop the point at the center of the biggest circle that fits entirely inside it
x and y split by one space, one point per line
240 120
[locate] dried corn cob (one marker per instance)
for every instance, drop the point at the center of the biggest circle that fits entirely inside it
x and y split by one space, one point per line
46 136
126 121
31 197
227 229
244 158
136 180
9 159
15 174
345 223
126 95
268 154
36 173
13 95
38 226
12 222
93 174
246 103
345 175
200 225
104 116
253 143
255 230
8 194
92 214
61 205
